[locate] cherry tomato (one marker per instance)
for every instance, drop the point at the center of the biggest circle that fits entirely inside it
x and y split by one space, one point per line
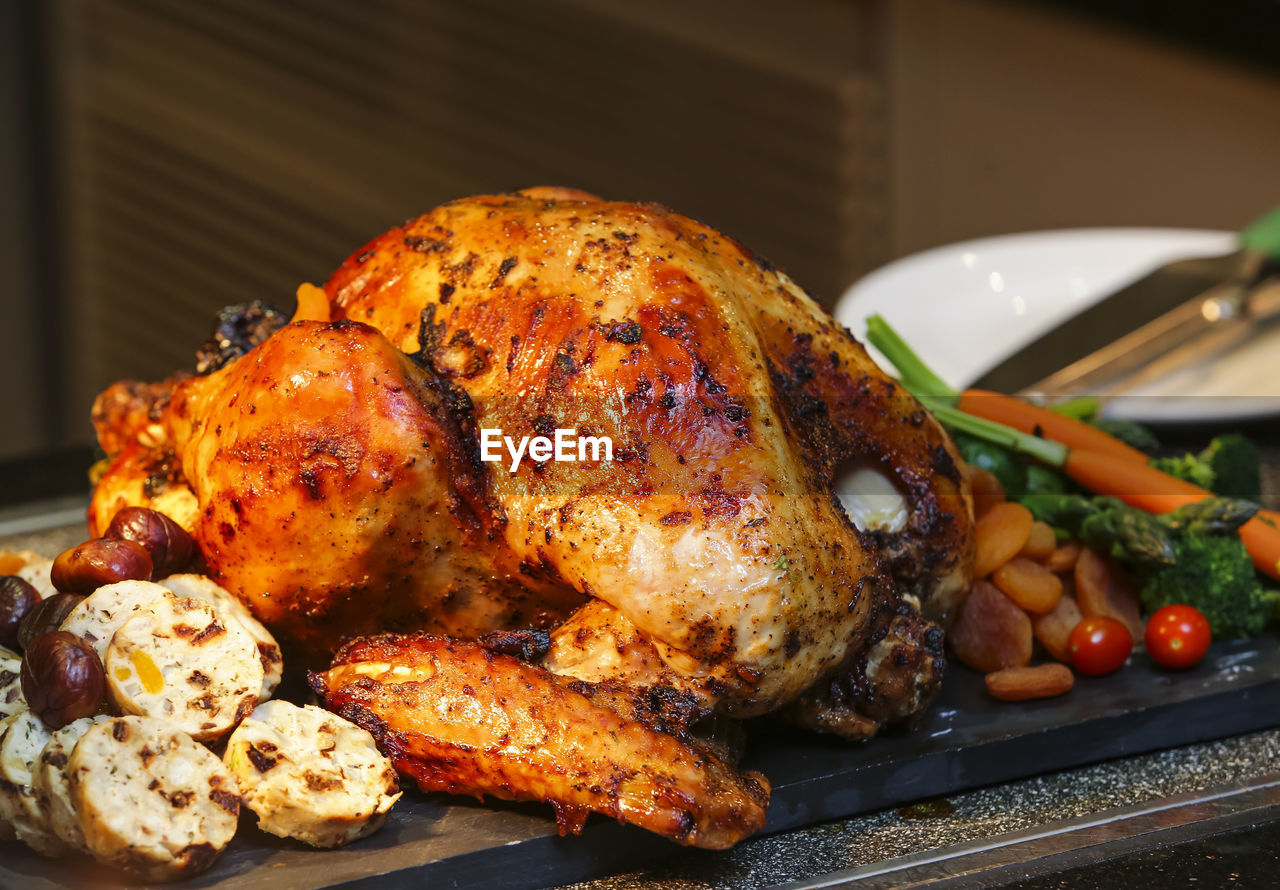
1099 645
1178 636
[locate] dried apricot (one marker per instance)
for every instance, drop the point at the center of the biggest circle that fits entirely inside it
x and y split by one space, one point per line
1029 584
1053 629
986 488
992 632
1022 683
1063 559
1105 589
1000 534
1041 542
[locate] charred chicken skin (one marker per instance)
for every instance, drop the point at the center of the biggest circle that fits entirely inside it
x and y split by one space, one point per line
334 479
459 718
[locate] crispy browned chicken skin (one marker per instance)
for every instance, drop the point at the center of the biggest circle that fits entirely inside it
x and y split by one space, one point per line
458 718
332 475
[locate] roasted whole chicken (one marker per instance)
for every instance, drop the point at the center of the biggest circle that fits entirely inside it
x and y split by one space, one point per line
779 527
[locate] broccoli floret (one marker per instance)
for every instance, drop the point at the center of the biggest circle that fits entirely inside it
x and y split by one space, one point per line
1009 468
1214 574
1133 434
1189 468
1229 466
1235 463
1042 480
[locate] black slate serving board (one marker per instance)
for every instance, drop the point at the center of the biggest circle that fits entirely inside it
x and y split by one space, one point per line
967 739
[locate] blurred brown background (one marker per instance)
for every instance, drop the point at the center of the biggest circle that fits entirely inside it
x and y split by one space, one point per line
161 159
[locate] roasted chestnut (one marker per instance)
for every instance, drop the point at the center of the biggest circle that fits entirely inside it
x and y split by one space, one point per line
62 678
101 561
45 616
17 598
168 543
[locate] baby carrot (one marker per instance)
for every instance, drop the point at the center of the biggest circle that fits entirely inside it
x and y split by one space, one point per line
1261 536
1136 483
1010 411
1147 488
1036 421
1099 462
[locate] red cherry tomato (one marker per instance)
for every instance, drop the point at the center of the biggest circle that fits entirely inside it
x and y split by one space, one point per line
1178 636
1099 645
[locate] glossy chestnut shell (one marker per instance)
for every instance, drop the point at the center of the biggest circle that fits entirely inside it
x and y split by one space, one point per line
91 565
168 543
17 598
47 615
62 678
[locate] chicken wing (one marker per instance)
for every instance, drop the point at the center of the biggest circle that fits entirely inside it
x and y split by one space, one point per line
459 718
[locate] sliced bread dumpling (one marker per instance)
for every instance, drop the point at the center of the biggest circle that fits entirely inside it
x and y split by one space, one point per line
150 799
38 572
12 700
203 588
22 738
51 785
311 775
6 830
180 661
102 612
